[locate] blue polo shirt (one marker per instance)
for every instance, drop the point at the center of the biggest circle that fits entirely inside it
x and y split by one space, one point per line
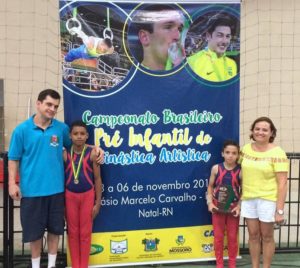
40 155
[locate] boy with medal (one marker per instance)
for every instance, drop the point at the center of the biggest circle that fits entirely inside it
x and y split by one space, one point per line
82 194
223 195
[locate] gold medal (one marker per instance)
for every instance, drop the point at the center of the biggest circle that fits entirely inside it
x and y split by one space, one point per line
76 171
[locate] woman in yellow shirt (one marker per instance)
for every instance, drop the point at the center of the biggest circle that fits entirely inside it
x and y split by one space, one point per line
264 184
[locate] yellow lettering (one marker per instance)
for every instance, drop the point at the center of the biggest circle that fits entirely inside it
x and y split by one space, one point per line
114 141
166 139
147 141
176 137
203 139
135 139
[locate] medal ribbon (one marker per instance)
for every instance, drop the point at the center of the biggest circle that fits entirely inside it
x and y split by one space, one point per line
76 171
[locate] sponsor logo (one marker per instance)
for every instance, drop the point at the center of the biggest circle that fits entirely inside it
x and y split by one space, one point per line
181 249
206 248
209 73
180 240
96 249
118 247
54 141
150 244
208 233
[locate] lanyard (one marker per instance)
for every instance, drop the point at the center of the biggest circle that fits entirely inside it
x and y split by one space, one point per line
76 171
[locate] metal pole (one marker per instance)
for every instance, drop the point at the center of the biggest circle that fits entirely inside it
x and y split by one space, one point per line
5 211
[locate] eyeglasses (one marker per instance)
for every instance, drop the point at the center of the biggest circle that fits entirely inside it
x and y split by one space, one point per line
277 225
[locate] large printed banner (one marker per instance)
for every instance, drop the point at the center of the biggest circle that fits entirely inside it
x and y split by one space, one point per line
158 86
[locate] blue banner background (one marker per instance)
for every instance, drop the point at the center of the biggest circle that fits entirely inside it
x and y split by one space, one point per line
142 91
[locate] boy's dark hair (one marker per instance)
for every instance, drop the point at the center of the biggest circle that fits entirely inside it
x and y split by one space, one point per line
48 92
272 127
230 142
220 20
148 25
139 24
78 123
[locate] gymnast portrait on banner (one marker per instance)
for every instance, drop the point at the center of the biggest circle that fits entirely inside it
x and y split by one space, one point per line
212 46
156 36
92 53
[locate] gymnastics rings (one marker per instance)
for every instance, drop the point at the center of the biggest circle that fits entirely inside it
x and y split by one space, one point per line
70 26
107 33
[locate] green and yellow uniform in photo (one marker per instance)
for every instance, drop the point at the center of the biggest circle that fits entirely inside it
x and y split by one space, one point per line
209 66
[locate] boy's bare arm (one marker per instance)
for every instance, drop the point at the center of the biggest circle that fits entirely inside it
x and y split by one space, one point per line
209 195
98 184
65 155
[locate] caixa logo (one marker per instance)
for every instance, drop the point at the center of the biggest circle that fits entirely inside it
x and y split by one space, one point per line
208 233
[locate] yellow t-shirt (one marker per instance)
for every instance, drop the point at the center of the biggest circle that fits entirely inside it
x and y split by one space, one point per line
209 66
259 172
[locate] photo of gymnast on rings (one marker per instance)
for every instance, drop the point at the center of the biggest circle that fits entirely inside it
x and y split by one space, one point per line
92 52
